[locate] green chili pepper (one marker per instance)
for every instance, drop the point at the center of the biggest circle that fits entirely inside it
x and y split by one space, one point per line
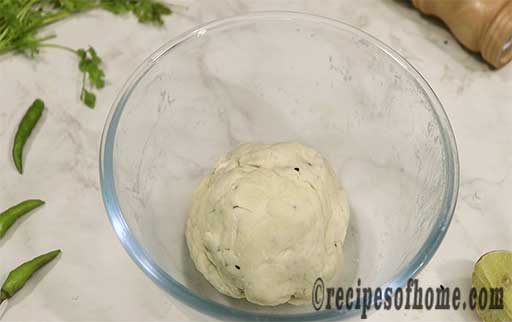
8 217
20 275
25 128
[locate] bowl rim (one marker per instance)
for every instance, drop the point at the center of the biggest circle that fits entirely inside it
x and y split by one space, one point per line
179 291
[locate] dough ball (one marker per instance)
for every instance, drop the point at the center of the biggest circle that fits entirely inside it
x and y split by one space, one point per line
267 222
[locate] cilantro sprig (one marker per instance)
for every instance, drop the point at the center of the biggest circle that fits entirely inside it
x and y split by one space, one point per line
90 66
21 22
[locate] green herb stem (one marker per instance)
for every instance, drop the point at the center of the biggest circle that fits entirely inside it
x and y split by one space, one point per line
82 92
59 47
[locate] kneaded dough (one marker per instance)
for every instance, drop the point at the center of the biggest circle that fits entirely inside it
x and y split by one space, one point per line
267 222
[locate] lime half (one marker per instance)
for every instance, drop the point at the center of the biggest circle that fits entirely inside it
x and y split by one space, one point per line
492 281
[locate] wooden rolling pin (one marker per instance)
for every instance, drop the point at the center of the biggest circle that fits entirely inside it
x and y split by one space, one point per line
483 26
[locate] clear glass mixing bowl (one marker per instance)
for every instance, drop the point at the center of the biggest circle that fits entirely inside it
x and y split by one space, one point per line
273 77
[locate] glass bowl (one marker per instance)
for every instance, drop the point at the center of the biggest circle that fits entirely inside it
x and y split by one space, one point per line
274 77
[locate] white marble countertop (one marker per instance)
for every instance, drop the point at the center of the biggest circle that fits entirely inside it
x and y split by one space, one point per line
95 280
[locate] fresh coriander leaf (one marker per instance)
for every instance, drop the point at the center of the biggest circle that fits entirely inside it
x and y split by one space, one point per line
150 11
97 78
90 65
94 56
88 98
82 54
